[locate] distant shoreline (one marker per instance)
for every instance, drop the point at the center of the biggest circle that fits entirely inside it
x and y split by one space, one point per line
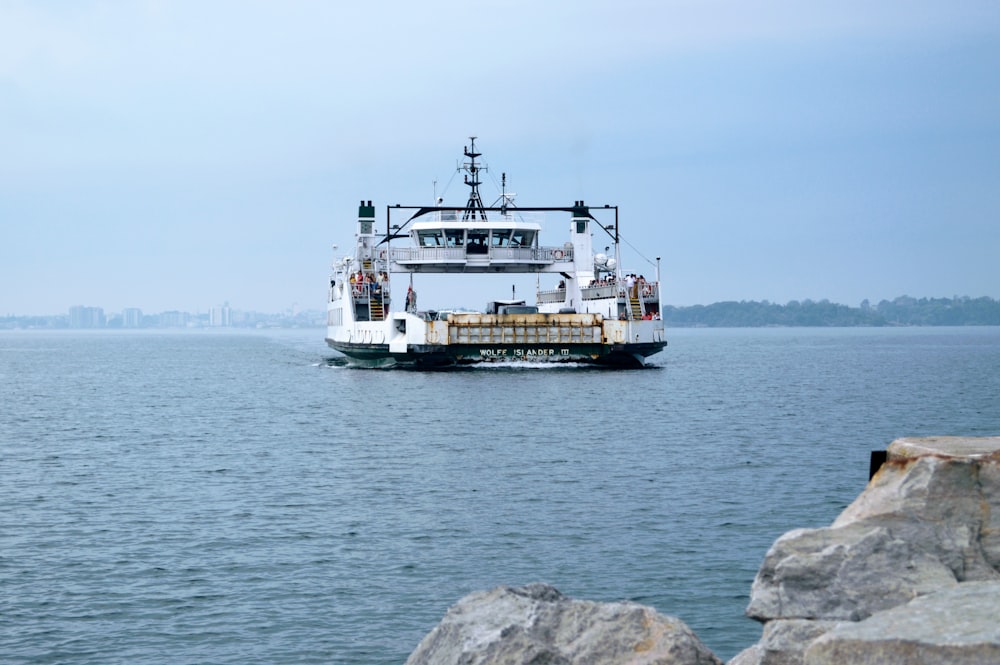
902 311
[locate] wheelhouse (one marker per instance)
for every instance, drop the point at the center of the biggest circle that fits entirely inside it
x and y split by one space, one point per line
476 237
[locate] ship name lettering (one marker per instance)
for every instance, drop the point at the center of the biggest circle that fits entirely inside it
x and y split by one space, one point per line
520 353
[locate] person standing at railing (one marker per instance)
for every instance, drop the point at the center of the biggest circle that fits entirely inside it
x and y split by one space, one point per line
411 300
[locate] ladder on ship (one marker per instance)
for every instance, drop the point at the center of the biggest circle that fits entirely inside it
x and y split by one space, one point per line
375 309
635 305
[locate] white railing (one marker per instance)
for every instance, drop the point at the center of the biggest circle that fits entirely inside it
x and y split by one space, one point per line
646 292
497 254
427 254
596 292
558 295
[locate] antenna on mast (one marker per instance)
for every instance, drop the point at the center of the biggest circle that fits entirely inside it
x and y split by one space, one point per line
503 193
475 205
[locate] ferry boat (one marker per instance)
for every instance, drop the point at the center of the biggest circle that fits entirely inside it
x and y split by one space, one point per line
590 311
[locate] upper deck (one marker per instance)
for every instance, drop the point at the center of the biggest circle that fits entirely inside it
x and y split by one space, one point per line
507 243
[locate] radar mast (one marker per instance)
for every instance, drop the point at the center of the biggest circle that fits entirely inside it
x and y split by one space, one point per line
474 208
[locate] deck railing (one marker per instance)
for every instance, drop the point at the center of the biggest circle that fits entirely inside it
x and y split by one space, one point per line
495 254
647 292
596 292
556 295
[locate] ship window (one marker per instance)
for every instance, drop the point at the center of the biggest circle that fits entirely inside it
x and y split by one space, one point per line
430 238
454 237
500 238
522 238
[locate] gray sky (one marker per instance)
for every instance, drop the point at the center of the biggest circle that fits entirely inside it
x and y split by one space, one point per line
175 155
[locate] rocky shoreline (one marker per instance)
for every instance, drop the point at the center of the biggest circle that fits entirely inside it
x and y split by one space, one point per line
908 573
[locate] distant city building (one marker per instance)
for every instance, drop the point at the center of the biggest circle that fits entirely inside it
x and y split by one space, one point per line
86 317
174 319
131 317
221 316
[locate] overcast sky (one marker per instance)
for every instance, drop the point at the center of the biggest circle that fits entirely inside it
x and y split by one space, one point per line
176 155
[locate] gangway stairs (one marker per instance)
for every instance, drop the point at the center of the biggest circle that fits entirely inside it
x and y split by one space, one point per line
635 306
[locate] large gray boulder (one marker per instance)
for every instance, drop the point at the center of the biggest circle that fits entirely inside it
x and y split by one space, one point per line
958 626
537 625
924 522
783 642
928 522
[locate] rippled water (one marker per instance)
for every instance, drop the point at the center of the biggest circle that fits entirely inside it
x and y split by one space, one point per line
240 498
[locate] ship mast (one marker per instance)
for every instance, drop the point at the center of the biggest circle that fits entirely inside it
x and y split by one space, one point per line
475 205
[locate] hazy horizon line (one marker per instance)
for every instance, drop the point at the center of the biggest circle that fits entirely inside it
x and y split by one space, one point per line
294 307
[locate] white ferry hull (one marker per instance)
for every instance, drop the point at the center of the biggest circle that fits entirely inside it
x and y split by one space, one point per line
432 356
476 338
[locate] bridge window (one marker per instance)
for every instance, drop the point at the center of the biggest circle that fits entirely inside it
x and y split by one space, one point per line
500 238
454 237
430 238
522 238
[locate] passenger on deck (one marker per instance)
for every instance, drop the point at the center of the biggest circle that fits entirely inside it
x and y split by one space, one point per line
411 300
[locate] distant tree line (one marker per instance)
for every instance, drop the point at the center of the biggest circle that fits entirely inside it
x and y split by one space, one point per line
903 311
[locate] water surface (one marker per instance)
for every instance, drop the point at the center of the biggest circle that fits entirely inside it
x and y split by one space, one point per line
242 498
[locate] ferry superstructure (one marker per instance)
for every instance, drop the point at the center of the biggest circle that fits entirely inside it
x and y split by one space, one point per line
595 314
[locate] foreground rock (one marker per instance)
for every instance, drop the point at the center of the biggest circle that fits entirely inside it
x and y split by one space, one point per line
958 626
537 625
928 523
908 573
